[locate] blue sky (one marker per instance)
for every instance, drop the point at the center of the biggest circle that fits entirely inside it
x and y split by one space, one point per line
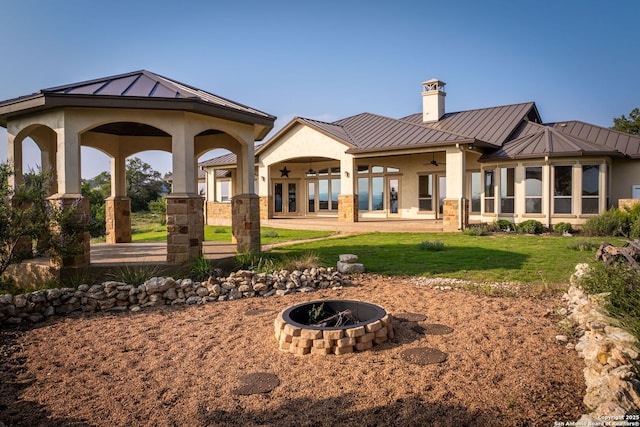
578 60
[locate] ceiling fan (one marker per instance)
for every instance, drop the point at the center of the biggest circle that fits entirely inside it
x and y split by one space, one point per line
434 162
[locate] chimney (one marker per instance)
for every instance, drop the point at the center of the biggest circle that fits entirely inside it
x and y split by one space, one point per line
432 100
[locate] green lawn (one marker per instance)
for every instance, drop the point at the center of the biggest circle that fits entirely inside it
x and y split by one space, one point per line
495 258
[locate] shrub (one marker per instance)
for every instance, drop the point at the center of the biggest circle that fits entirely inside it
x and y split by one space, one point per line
476 230
135 274
613 222
623 285
563 227
531 226
270 233
582 245
201 269
505 225
435 246
159 207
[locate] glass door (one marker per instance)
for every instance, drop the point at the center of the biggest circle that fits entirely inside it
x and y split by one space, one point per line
394 195
442 193
282 205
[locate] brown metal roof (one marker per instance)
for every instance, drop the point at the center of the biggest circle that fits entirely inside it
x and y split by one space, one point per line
547 141
625 143
492 125
370 132
224 160
138 89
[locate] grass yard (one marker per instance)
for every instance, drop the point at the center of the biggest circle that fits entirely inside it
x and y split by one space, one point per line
146 228
495 258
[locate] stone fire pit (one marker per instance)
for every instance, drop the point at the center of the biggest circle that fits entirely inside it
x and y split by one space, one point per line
332 327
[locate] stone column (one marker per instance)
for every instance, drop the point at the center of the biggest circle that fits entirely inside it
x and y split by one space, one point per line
245 212
76 252
264 207
118 219
118 206
455 215
348 208
185 228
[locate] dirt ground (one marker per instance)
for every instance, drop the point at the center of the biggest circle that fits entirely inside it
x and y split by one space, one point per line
179 366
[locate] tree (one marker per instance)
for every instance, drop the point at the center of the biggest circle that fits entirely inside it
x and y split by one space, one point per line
97 189
143 184
22 217
628 125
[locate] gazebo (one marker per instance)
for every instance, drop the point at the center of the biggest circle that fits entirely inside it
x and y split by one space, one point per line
126 114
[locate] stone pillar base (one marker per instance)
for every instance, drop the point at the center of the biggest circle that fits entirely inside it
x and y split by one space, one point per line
75 253
245 225
218 213
185 228
264 208
348 208
451 220
118 219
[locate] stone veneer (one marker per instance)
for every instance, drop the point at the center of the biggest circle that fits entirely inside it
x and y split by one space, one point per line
303 341
218 213
348 208
185 228
451 215
81 247
118 219
245 213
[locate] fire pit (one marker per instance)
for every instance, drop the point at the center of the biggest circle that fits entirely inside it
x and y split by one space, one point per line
332 327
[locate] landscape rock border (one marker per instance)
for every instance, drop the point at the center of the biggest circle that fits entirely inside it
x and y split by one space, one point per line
610 354
118 296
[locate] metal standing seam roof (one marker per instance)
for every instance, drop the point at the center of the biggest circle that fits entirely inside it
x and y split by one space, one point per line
371 132
120 90
625 143
493 125
547 141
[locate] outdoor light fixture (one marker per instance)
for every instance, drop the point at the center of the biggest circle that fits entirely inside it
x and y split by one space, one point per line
346 173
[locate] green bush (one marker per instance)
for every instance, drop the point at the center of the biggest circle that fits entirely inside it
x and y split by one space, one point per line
476 230
622 284
505 225
531 226
270 233
613 222
582 245
562 227
435 246
159 207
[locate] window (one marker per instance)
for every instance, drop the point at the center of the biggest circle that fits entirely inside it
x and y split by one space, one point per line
562 189
323 194
476 192
335 192
377 193
533 189
425 193
371 191
328 189
489 191
590 189
224 191
311 196
507 190
363 194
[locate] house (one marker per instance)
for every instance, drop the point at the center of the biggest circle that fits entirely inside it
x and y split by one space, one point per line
463 167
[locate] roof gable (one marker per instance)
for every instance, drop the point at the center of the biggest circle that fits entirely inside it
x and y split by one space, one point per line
537 141
613 140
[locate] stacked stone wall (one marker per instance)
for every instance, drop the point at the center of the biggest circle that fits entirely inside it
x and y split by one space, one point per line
218 213
118 296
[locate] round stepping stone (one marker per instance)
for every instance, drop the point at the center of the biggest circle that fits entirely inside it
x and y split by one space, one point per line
423 356
437 329
410 317
257 383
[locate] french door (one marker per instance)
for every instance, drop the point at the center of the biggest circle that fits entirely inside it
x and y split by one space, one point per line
285 198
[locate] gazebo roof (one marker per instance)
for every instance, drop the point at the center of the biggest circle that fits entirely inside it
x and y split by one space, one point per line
139 90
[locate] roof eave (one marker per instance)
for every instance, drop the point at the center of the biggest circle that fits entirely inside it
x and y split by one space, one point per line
47 101
612 154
